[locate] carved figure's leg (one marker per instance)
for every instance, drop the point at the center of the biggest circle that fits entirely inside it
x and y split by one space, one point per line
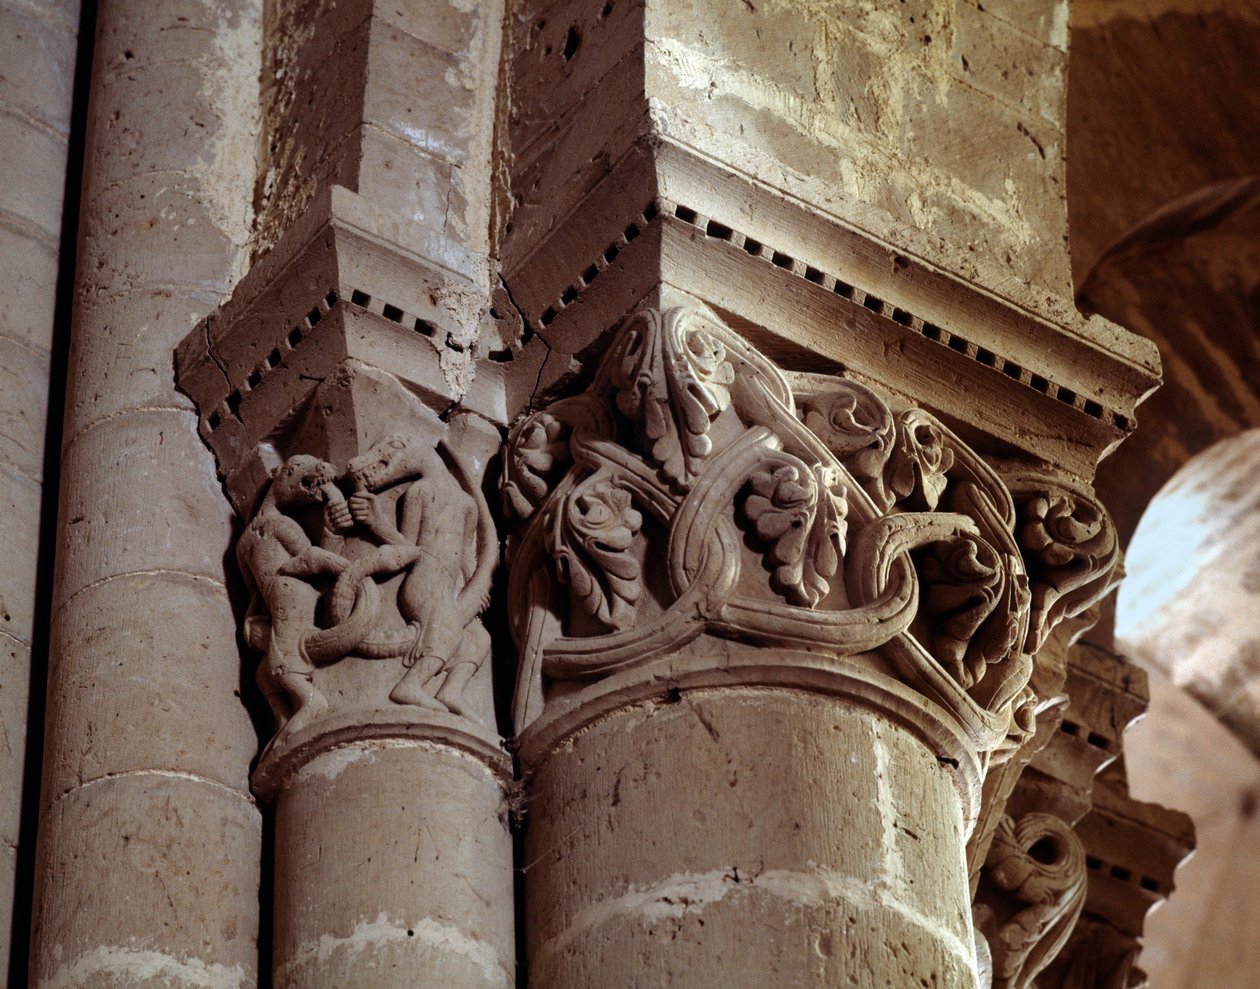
277 699
291 693
416 686
291 676
451 694
473 650
307 700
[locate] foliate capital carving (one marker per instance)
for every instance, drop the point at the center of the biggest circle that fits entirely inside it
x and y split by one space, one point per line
688 492
1070 545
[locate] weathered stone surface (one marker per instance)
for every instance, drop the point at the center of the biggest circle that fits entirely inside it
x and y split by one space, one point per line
420 184
168 173
846 186
393 869
36 80
122 363
31 261
126 698
39 69
15 676
350 86
33 195
770 811
153 503
9 905
866 103
173 848
23 373
19 547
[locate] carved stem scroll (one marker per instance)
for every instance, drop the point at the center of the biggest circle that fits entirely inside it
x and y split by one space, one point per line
687 491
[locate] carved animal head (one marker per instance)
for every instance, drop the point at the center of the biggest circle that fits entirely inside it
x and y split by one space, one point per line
302 479
393 459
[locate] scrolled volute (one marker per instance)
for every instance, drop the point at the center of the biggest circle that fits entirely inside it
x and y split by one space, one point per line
1031 891
1070 549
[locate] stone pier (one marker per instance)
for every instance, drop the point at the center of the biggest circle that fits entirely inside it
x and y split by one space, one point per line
564 493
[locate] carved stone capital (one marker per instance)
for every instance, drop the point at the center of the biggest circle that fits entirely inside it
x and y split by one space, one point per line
348 392
368 576
1031 891
690 497
1069 543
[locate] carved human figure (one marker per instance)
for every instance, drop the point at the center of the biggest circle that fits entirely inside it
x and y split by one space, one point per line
277 559
437 517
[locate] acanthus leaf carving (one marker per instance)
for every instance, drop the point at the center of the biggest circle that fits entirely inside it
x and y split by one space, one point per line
591 534
801 519
856 426
540 451
541 448
1070 548
672 377
974 599
920 461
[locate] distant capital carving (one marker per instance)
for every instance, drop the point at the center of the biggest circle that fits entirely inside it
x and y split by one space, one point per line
1031 892
688 491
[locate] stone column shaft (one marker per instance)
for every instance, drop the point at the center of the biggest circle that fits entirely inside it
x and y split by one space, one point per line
745 837
394 871
35 110
148 861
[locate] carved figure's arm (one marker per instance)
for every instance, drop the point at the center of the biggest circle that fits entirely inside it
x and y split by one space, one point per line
306 560
414 510
469 545
367 511
245 563
314 560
